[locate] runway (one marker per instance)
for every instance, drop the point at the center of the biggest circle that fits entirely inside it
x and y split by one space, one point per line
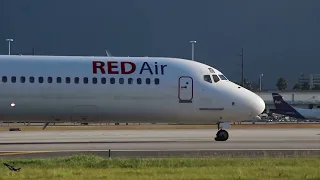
156 143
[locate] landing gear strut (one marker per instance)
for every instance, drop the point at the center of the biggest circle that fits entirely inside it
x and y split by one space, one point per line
222 135
45 125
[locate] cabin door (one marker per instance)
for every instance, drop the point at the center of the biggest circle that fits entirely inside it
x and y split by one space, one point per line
185 92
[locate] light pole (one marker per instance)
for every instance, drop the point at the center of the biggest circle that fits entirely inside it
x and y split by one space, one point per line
260 79
242 73
9 41
192 46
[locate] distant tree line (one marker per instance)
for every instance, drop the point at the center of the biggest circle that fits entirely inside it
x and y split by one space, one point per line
282 85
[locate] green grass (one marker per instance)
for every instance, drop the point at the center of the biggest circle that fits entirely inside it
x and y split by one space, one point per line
95 167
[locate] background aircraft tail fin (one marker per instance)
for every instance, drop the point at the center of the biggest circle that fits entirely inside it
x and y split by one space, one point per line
280 104
282 107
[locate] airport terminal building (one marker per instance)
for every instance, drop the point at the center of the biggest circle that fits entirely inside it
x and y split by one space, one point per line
311 79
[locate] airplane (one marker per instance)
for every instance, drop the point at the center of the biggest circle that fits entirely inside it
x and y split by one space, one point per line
55 89
283 108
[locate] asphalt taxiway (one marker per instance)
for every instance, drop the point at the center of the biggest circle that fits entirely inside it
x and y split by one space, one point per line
161 143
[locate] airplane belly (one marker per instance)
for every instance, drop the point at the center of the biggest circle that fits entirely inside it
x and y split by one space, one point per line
35 110
164 108
153 111
209 109
85 113
60 110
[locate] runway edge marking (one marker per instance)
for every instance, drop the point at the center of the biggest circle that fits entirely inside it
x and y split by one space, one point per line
6 153
101 150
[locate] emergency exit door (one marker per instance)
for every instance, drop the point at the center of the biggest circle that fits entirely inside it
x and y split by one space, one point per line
185 93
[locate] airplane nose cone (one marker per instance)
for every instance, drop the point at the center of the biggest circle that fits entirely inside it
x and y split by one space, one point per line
257 105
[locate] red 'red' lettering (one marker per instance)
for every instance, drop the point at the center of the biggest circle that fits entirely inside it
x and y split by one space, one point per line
123 67
110 66
98 65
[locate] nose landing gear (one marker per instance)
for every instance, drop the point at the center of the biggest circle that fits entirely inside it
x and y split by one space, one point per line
222 135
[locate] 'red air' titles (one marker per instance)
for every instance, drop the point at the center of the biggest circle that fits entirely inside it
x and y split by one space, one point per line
125 67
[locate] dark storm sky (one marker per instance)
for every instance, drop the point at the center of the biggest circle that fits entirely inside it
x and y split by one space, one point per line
280 37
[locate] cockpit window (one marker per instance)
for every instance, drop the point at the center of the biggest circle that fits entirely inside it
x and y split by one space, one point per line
222 77
207 78
215 78
211 70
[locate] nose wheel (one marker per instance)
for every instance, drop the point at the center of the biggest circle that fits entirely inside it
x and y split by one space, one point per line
222 135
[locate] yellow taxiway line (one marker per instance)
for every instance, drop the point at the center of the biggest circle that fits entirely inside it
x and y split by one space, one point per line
21 153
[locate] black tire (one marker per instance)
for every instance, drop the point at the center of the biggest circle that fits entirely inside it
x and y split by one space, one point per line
222 135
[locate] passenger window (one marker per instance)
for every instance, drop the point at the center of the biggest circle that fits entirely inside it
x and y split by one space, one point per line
139 81
76 80
112 80
40 79
13 79
121 80
50 79
148 81
22 79
215 78
156 81
207 78
103 80
31 79
59 80
4 79
130 81
68 80
85 80
94 80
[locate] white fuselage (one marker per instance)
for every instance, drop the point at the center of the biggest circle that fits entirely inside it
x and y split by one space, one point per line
171 91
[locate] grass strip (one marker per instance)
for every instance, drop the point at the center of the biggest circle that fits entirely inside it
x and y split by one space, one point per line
96 167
